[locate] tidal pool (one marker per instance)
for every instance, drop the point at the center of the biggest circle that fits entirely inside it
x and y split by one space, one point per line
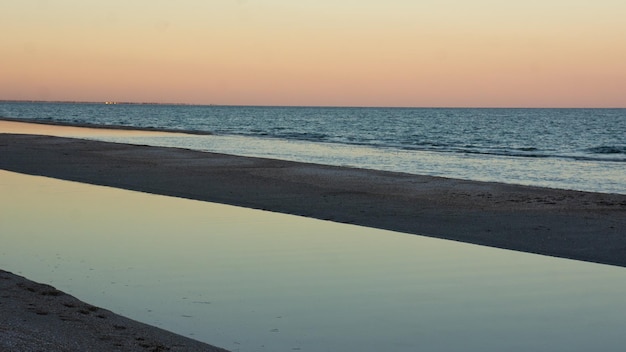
249 280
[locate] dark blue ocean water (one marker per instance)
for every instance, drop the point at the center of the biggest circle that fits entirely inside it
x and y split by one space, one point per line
581 149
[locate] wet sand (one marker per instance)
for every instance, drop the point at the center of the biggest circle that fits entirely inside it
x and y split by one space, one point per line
569 224
37 317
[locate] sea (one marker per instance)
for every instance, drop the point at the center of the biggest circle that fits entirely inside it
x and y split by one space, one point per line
577 149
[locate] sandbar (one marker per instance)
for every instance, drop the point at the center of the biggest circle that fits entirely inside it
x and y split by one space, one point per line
570 224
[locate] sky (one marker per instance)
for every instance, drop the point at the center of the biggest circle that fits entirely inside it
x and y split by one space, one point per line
422 53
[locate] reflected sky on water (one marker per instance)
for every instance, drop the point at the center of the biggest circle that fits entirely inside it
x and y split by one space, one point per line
249 280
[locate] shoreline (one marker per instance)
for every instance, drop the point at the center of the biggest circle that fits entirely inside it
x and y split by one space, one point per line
569 224
45 122
37 317
596 175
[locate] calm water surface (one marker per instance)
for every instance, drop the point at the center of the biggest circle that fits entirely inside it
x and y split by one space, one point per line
249 280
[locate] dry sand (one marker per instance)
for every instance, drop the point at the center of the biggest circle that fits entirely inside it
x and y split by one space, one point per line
570 224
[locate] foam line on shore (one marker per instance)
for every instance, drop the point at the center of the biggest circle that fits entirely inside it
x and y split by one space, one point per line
47 122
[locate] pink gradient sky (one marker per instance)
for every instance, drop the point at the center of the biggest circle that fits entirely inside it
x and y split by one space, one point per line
532 53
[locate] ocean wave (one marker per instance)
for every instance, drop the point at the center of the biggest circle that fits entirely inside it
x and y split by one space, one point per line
608 155
607 149
306 136
527 149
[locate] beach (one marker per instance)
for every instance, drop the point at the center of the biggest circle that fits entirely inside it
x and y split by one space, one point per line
569 224
38 317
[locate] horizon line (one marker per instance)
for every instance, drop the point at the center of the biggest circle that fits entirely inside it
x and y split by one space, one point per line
112 102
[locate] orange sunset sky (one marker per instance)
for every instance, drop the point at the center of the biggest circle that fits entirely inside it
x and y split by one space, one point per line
531 53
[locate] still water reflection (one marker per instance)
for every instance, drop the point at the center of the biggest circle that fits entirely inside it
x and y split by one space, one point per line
249 280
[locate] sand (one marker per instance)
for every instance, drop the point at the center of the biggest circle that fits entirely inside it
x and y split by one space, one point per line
37 317
570 224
